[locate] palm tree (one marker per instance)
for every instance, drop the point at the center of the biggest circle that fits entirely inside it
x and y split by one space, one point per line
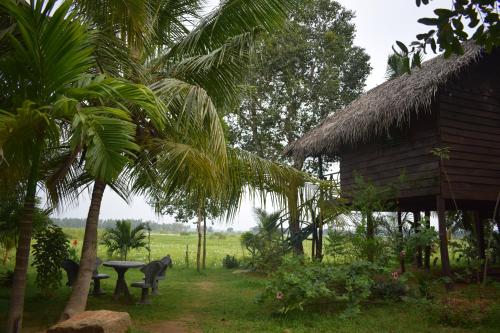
51 101
196 73
268 223
396 65
123 238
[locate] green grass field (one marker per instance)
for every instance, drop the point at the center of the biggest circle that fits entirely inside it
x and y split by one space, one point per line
218 246
221 300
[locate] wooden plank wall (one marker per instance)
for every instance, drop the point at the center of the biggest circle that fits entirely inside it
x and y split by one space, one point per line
384 161
469 124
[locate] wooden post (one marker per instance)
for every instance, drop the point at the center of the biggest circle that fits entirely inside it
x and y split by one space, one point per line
370 236
478 225
443 241
294 223
319 245
427 254
400 245
319 242
416 228
400 229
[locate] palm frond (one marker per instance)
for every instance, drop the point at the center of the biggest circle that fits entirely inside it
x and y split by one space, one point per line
232 18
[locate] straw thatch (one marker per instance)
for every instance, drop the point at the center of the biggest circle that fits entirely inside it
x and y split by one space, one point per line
387 105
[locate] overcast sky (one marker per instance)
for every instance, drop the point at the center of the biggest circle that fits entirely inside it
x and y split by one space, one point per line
378 23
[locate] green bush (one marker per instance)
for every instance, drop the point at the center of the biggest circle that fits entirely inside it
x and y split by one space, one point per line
50 249
460 312
392 289
230 262
217 235
7 279
296 284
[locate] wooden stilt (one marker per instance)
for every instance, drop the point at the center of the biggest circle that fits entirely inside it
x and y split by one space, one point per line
427 254
400 245
370 235
416 228
478 225
443 241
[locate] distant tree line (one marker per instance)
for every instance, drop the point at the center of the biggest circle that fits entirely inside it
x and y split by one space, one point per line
160 227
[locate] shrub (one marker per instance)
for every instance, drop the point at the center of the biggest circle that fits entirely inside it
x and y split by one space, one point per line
73 253
392 289
50 249
217 235
230 262
462 312
296 284
7 279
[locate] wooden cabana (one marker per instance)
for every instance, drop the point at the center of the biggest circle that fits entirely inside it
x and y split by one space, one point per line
449 103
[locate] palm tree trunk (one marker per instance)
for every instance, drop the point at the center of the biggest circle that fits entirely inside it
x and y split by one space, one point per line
15 318
198 228
204 241
78 299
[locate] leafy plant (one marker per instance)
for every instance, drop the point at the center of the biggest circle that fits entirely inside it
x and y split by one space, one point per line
297 284
448 31
230 262
122 238
265 246
6 279
461 312
50 249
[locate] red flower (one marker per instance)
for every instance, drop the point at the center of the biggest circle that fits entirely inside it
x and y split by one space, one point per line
74 242
279 295
395 275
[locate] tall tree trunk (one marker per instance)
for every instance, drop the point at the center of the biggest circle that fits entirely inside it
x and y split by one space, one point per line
15 318
416 227
80 290
370 236
427 255
198 229
443 241
204 242
254 126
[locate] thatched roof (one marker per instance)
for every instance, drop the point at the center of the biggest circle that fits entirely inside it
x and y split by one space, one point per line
387 105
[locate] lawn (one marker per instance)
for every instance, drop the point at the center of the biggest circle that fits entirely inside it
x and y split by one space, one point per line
221 300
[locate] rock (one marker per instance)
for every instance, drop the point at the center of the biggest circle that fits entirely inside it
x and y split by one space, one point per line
102 321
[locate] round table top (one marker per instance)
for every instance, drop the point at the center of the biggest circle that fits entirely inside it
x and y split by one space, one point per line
123 264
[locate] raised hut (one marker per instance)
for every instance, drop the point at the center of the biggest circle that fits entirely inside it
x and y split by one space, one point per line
451 104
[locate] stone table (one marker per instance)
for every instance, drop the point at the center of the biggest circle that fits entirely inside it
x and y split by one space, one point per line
121 267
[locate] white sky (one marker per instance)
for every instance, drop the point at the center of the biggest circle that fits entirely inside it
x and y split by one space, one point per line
379 24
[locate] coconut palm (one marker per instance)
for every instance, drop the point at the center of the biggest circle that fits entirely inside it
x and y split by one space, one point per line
196 73
122 238
53 100
396 65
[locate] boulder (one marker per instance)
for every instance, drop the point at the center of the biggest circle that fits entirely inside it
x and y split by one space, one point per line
102 321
